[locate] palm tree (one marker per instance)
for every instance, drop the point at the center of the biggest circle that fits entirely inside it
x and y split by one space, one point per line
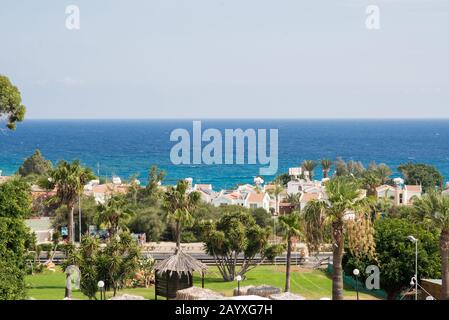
434 207
294 200
291 225
276 192
326 164
69 180
309 165
343 196
114 213
179 204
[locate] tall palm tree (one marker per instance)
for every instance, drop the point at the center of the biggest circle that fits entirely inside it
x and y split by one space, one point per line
179 204
343 196
114 213
276 192
434 207
69 180
291 225
309 165
326 164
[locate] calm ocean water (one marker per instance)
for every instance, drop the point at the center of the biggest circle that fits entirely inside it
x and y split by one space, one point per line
128 147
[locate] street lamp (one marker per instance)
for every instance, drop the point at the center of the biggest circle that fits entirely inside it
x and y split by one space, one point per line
238 278
415 278
356 272
100 285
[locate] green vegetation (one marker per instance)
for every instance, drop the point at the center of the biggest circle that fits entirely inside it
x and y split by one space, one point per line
394 254
343 195
15 239
233 234
35 165
11 105
312 284
422 174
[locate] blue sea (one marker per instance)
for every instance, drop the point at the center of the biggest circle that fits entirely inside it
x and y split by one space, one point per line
128 147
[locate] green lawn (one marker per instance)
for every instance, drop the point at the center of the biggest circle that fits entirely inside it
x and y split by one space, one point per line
312 284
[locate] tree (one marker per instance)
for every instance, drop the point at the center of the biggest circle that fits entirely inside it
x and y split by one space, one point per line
371 180
155 177
283 179
262 217
115 264
148 220
15 204
179 204
89 212
421 174
69 180
434 207
10 103
309 166
114 213
347 214
235 234
395 255
276 191
291 225
294 200
326 164
36 164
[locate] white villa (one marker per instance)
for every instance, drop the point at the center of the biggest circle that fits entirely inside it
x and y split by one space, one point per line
401 195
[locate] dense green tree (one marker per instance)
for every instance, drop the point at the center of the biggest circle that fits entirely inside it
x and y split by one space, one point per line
395 255
262 217
15 204
11 106
114 264
148 220
36 164
421 174
237 234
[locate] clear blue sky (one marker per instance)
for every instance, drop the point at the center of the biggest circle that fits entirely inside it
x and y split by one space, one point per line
228 58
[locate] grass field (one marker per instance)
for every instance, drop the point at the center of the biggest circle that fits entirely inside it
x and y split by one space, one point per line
312 284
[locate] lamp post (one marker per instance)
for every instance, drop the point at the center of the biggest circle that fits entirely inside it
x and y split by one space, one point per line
101 286
356 272
238 278
415 278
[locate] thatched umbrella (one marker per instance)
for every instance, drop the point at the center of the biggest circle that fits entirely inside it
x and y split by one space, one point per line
176 273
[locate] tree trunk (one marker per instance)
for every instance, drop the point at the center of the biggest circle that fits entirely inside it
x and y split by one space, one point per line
178 237
71 225
325 173
337 256
287 268
444 249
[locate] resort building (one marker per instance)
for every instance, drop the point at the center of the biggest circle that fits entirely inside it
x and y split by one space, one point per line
307 197
102 192
228 197
400 194
206 192
256 200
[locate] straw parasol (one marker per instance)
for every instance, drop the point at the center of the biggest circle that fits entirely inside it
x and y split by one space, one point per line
180 263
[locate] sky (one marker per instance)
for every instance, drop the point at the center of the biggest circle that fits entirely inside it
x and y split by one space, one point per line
228 58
